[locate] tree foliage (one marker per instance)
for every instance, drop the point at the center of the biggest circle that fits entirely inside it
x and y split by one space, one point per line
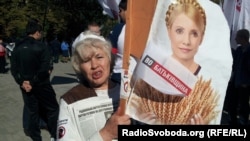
58 17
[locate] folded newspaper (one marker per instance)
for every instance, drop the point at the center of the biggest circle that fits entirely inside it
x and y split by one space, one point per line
92 113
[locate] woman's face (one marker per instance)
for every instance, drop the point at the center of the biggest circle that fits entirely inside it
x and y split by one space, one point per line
96 68
185 37
122 14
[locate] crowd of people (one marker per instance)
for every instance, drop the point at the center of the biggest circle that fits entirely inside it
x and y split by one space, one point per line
238 90
97 61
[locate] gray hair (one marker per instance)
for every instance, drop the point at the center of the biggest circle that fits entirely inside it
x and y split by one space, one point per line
87 44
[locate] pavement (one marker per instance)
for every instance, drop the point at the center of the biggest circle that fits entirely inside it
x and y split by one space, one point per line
63 78
11 103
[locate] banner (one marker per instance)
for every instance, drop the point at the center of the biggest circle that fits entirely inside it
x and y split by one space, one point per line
185 66
139 16
237 13
110 7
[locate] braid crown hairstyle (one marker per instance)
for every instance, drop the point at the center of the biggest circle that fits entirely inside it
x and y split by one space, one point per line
191 8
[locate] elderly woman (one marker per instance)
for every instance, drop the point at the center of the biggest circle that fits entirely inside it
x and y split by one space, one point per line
92 59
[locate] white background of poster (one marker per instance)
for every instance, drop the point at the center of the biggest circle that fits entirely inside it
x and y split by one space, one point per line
214 54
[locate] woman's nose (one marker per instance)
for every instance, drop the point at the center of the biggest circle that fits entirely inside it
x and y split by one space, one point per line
186 40
94 63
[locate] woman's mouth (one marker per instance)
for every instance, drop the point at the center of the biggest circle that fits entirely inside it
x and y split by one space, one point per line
185 50
97 75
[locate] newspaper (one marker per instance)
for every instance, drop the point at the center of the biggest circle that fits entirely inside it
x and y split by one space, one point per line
91 114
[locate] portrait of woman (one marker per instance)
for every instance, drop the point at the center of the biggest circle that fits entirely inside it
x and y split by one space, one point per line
186 25
173 82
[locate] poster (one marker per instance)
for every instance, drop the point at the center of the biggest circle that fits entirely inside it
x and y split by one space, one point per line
185 66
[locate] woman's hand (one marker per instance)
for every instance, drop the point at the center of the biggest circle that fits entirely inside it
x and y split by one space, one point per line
197 120
110 130
149 118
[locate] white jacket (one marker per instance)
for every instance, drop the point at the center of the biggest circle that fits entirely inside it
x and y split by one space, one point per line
67 129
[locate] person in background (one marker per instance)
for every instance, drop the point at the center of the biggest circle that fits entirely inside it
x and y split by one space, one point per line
65 50
239 100
55 46
92 59
26 115
31 68
117 37
93 27
2 57
10 46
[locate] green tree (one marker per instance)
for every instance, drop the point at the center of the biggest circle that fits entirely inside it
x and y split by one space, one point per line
57 16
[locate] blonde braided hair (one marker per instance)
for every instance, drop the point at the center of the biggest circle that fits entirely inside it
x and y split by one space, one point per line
191 8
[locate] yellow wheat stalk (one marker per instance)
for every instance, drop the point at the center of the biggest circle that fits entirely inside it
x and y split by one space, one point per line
171 109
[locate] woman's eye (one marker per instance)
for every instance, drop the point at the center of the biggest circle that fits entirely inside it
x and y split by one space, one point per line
85 60
195 34
179 31
99 57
